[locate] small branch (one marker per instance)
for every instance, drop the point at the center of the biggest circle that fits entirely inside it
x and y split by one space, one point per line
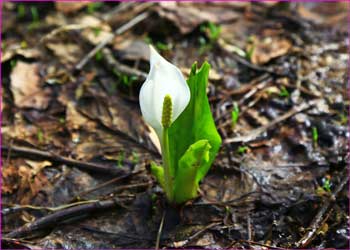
52 220
16 208
321 216
113 64
102 44
159 234
252 135
88 166
183 243
107 183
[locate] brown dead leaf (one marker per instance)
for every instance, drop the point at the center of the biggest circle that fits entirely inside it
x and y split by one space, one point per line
25 86
330 14
131 49
187 16
28 53
96 31
30 185
9 179
268 48
75 121
70 7
37 166
67 53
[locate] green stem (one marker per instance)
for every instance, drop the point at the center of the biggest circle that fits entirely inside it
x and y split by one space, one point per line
169 186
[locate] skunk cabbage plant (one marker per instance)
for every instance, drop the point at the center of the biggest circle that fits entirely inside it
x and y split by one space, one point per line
180 114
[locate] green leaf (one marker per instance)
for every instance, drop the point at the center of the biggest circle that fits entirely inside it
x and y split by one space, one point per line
186 182
158 172
195 123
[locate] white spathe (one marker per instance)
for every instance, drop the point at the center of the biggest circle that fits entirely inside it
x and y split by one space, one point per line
163 79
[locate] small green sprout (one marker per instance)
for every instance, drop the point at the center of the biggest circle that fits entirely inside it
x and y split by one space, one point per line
212 32
161 46
284 92
235 114
314 135
121 158
13 63
327 185
92 7
97 31
343 119
35 17
124 79
135 158
40 136
99 56
21 10
24 45
242 149
62 120
249 53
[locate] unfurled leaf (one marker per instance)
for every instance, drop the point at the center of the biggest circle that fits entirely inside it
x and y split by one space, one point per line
190 166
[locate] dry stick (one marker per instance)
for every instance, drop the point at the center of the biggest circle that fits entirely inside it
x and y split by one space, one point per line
112 181
121 133
94 167
102 44
319 219
259 244
160 231
192 237
16 208
53 219
252 135
113 64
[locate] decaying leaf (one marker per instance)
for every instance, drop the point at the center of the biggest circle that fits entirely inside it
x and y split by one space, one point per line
265 49
187 16
70 7
26 86
68 53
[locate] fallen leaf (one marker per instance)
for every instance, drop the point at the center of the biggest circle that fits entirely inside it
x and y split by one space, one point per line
96 31
265 49
70 7
9 179
37 166
67 53
131 49
75 121
30 53
25 86
187 16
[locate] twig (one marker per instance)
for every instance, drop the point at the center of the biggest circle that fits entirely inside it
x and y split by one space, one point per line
113 64
16 208
58 217
252 135
320 217
183 243
259 244
102 44
89 166
112 181
159 234
120 133
246 63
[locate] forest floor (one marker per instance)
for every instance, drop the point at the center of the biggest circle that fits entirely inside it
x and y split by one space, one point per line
76 151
